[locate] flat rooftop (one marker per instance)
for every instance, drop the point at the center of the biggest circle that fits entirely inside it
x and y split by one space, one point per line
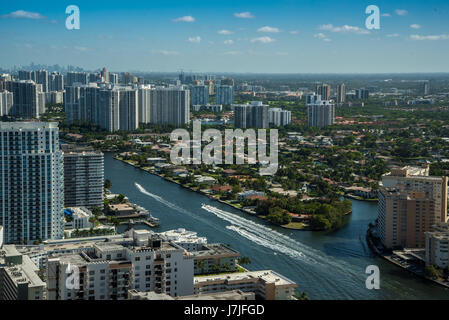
216 249
268 276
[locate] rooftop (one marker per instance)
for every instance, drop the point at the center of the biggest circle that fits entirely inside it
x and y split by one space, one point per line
268 276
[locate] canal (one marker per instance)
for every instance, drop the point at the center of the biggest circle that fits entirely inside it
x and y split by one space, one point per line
324 265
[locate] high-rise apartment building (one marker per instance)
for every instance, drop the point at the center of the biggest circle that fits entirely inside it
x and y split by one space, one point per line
41 77
280 117
26 100
210 83
113 78
83 177
362 94
77 77
32 177
227 82
199 95
224 94
320 114
410 203
144 105
324 90
426 88
105 75
254 115
341 93
6 102
56 82
109 270
312 98
170 106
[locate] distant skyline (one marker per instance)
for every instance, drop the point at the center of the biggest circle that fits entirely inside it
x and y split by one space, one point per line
229 36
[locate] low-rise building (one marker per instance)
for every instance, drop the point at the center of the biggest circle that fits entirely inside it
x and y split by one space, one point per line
249 193
205 180
227 295
266 285
78 218
188 240
214 258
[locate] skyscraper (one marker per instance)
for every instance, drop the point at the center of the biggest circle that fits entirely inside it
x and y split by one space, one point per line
32 177
324 91
105 75
56 82
410 203
26 101
341 93
254 115
224 94
144 96
362 94
170 106
6 102
312 98
199 95
227 82
76 77
320 114
426 88
128 109
83 177
41 77
280 117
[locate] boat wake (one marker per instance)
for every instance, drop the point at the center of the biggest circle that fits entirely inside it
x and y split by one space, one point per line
276 241
162 200
263 236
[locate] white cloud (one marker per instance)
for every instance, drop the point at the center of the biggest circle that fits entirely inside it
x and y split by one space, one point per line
196 39
401 12
393 35
225 32
185 19
263 40
386 15
430 37
322 36
232 53
167 52
228 41
268 29
21 14
343 29
243 15
83 49
415 26
294 32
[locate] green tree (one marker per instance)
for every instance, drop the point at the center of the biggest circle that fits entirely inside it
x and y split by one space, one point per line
433 272
107 184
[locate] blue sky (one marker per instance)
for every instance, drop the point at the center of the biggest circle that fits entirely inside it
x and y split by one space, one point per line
285 36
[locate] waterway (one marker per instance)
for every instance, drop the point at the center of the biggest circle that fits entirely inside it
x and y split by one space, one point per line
324 265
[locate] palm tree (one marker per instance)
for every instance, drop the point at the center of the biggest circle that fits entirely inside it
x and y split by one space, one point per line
200 264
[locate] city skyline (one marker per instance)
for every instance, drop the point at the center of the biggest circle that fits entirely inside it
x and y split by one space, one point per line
241 37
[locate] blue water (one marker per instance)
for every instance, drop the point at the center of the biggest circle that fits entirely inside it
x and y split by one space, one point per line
324 265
